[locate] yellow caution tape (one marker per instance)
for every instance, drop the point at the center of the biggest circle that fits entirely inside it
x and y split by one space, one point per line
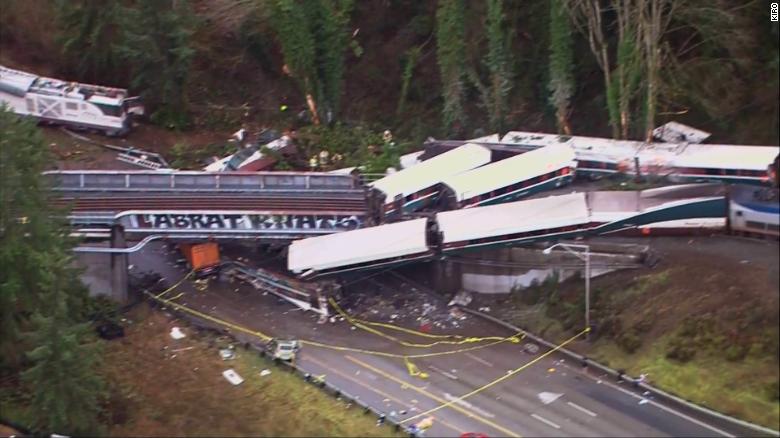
413 370
514 339
498 380
362 325
175 285
392 326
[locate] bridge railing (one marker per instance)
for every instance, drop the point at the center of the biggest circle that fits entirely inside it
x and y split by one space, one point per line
198 181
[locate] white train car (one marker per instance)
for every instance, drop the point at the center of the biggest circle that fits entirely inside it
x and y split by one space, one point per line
510 179
90 107
679 162
418 186
381 246
754 211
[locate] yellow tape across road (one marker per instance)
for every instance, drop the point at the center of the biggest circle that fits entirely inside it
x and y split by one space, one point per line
500 379
514 339
434 397
362 324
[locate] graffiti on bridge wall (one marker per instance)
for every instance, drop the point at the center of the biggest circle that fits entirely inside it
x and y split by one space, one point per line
190 221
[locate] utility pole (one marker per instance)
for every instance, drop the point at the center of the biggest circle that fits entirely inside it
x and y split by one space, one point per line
568 247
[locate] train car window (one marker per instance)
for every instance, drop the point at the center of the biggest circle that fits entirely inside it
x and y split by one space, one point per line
73 106
739 214
109 110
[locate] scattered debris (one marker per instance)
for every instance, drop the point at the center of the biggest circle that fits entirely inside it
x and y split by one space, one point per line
674 132
548 397
530 348
176 333
265 373
462 298
227 353
233 377
484 309
643 401
457 314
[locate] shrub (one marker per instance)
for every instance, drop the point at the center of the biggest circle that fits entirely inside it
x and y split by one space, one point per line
773 391
735 352
629 341
681 350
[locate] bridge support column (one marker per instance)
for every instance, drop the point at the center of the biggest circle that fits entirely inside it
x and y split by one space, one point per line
118 265
447 276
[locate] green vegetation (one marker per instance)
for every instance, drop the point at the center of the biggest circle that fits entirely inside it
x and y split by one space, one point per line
497 60
714 66
187 395
313 36
746 389
561 83
721 352
451 56
152 37
43 337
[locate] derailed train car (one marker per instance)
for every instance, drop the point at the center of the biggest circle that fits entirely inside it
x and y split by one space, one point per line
678 162
417 187
83 106
510 179
682 209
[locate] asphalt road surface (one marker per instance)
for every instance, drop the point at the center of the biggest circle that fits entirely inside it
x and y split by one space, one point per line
550 397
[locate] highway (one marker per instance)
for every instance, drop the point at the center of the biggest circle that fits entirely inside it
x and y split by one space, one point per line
550 397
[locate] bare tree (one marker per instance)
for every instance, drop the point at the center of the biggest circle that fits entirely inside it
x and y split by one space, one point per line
586 17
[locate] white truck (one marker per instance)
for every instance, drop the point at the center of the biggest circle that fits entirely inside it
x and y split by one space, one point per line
88 107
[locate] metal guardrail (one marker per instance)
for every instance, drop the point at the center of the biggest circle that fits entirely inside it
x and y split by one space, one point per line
746 428
70 180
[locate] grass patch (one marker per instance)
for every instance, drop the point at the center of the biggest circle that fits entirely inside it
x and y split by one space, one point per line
164 387
740 389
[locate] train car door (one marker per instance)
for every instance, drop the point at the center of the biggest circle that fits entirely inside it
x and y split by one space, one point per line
49 108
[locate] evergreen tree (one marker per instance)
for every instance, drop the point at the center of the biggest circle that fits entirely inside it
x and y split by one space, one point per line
157 46
91 33
451 57
25 229
66 392
561 85
36 278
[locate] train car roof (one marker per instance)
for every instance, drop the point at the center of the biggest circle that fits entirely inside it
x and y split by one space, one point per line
513 217
431 172
15 82
358 246
585 148
718 156
507 171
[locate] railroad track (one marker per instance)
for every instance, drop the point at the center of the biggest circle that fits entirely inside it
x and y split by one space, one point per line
293 204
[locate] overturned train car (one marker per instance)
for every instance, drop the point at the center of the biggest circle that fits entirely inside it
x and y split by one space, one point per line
683 209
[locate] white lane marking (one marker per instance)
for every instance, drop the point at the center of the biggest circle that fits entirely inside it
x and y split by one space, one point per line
664 408
546 421
444 373
479 359
578 407
467 405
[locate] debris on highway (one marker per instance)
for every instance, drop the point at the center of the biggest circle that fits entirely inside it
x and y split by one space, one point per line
176 333
233 377
227 353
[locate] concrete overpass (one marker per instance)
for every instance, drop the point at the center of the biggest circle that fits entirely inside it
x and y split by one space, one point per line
122 206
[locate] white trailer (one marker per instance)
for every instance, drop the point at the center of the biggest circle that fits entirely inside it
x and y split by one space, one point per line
89 107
